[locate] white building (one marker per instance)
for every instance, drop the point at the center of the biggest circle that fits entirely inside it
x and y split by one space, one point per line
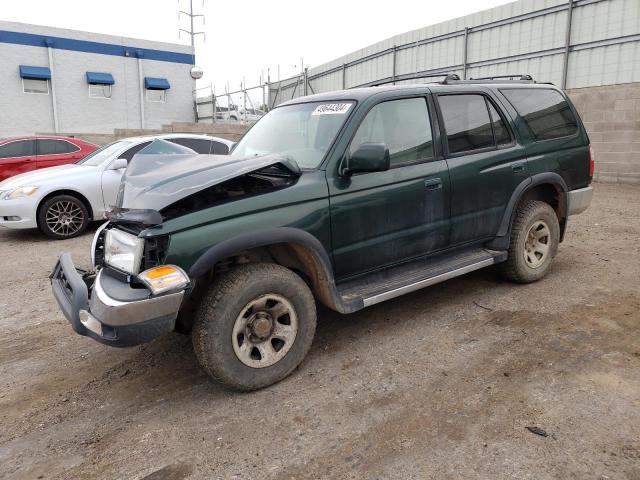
66 81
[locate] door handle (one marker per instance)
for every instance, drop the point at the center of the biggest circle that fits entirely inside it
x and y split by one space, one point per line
517 167
433 184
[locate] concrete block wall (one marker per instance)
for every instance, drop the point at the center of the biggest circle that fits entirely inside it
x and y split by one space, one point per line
611 115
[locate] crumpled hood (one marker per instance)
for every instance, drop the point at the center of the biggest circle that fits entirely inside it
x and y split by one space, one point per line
152 182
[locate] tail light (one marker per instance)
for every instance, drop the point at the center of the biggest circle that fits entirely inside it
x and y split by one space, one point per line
592 162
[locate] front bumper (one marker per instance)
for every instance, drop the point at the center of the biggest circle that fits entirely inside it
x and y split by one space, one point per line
18 213
109 310
579 200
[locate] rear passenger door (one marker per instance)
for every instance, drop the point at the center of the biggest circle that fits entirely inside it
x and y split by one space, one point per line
485 161
382 218
53 152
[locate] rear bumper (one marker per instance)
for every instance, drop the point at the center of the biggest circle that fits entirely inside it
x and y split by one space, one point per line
94 312
579 200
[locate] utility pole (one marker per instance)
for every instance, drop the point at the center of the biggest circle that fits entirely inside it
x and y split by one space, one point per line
196 72
191 32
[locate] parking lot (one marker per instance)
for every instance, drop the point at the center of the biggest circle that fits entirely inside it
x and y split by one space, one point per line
441 383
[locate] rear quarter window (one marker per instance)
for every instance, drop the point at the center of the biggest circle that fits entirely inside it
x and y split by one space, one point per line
545 112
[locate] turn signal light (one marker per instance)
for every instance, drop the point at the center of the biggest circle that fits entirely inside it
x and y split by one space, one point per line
164 278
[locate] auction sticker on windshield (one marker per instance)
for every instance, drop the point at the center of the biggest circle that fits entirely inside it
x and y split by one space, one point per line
332 109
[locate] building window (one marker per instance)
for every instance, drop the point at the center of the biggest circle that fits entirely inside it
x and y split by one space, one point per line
156 89
35 85
100 84
99 91
156 96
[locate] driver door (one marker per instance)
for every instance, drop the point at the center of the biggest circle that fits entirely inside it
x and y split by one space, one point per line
382 218
111 178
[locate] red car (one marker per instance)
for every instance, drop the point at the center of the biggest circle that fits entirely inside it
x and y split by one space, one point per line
23 154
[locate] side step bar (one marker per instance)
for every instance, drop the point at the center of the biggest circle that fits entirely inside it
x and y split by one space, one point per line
397 280
396 292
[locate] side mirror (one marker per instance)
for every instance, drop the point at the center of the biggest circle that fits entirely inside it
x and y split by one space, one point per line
118 164
368 157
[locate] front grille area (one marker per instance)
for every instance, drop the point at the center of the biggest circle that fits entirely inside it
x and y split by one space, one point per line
98 253
155 252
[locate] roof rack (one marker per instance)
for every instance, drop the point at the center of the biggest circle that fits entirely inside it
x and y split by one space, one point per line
518 78
509 77
403 78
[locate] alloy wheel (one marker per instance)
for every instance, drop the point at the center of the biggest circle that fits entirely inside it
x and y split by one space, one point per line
64 218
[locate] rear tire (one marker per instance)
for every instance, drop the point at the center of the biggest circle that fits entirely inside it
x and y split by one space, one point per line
534 242
254 326
63 216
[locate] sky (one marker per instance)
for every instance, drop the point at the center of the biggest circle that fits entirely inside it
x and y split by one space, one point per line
245 39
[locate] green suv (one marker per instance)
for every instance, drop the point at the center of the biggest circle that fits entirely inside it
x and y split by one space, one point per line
348 198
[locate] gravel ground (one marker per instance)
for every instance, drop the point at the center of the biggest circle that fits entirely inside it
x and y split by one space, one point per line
441 383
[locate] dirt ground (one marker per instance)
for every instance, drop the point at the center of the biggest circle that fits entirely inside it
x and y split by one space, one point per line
441 383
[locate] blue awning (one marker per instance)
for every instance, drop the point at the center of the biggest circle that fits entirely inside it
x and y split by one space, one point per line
97 78
42 73
151 83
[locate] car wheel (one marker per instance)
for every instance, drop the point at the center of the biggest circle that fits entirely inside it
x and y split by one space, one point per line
63 216
254 326
534 242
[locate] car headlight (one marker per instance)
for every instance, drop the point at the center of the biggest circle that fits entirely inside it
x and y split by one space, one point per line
19 192
123 250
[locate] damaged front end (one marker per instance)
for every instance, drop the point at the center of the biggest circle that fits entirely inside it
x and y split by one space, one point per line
132 296
175 185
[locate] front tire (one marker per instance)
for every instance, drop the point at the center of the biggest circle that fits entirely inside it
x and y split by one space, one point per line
254 326
534 242
63 216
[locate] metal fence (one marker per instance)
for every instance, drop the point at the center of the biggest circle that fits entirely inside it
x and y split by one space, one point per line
571 43
230 106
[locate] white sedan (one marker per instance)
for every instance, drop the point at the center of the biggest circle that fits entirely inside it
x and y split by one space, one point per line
62 200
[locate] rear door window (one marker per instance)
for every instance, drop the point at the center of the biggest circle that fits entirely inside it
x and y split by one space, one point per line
201 145
19 148
545 112
49 146
220 148
467 122
500 129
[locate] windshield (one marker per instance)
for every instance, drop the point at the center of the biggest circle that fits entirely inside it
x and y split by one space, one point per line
302 132
98 156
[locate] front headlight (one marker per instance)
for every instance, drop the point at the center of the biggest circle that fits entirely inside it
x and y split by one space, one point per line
19 192
123 250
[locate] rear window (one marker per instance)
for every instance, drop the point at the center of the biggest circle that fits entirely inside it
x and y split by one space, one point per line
48 146
545 112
